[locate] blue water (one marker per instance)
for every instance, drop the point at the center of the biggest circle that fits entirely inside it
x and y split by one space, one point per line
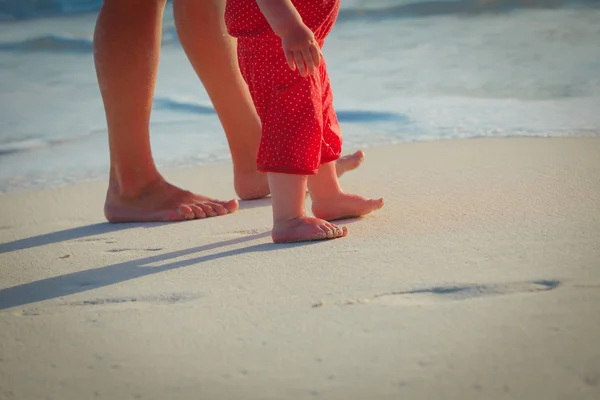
401 71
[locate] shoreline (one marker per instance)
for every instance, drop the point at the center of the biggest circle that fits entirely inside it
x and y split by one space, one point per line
224 162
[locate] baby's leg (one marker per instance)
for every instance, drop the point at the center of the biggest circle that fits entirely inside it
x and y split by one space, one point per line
290 223
329 202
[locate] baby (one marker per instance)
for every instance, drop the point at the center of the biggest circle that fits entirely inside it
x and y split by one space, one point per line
301 135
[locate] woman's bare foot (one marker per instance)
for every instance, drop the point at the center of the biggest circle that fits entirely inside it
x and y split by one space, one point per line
162 202
345 205
252 184
304 229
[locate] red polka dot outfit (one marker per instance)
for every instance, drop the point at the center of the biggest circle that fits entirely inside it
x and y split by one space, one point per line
300 130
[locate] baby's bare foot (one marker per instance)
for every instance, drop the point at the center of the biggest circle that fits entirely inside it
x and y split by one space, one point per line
349 162
304 229
345 206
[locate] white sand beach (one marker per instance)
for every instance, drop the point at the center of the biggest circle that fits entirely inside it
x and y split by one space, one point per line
479 279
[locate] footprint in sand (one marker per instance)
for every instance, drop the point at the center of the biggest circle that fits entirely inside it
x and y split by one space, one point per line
126 249
172 298
91 240
440 294
106 240
158 299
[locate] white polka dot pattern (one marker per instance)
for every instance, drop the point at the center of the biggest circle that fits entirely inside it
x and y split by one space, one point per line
300 130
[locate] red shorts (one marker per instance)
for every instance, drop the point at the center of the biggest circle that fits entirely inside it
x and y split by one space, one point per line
300 130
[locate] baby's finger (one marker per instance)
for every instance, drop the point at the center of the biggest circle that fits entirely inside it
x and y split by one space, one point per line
308 58
289 56
300 63
316 55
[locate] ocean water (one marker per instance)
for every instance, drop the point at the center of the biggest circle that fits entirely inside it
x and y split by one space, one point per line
401 70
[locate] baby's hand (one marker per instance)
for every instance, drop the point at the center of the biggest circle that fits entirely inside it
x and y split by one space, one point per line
301 50
298 42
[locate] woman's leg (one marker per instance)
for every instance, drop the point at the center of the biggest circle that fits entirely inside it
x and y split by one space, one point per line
126 52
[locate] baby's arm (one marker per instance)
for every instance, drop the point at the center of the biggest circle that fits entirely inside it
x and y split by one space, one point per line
297 40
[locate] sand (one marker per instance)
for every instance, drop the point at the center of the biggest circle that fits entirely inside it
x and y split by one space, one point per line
480 279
